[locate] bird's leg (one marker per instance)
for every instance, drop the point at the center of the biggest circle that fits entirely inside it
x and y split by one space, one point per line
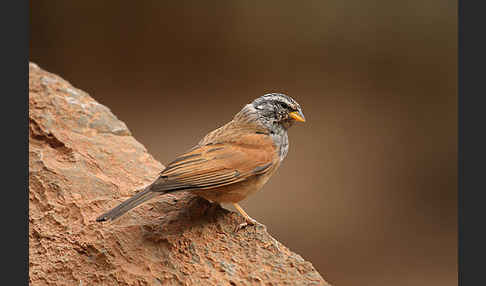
249 220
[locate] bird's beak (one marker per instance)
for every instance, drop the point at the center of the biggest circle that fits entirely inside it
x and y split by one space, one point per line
297 116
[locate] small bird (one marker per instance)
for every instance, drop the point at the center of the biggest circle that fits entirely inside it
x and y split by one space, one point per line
231 162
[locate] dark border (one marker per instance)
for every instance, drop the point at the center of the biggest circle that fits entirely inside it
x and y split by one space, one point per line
14 22
471 144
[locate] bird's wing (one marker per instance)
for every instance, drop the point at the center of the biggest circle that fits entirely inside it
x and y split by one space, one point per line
219 164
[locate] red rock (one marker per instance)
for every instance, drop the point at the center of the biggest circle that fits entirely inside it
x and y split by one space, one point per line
83 161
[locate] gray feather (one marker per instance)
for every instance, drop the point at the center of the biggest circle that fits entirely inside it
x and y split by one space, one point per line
129 204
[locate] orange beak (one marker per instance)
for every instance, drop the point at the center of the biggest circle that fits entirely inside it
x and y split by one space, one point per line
297 116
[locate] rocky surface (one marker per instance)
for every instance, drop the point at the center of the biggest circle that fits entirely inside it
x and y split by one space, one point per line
83 161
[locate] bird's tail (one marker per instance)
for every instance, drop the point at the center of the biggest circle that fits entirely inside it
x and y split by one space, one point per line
129 204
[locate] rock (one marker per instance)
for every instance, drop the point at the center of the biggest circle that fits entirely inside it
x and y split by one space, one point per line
82 162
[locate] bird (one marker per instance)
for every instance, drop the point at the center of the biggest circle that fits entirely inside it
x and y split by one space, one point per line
231 162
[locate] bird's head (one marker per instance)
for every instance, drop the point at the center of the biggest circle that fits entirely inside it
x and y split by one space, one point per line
278 108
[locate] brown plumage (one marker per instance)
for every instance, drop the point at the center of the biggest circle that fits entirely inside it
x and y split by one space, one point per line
230 162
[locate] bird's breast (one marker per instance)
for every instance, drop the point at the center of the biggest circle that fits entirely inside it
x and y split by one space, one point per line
281 140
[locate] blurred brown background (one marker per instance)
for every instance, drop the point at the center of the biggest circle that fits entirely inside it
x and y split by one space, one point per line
368 190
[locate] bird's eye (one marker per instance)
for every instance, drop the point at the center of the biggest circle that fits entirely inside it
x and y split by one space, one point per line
287 107
284 105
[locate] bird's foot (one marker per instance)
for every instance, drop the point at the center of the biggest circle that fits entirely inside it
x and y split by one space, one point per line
249 222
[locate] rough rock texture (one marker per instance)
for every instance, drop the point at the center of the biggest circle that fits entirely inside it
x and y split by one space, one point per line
83 161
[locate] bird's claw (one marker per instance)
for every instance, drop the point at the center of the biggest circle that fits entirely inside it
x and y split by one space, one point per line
248 222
